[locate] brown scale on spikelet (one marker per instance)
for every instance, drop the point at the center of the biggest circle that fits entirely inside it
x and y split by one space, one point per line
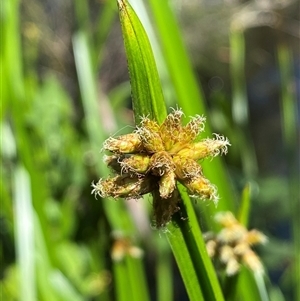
232 245
154 157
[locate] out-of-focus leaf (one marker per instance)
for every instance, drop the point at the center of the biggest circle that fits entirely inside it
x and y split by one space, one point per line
24 235
290 130
244 209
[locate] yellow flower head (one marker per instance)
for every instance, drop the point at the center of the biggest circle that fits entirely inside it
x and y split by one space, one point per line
154 157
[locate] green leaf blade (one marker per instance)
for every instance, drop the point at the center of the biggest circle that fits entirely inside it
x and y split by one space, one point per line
202 263
147 96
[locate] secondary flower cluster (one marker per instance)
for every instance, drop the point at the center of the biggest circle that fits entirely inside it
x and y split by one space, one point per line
154 157
123 246
232 245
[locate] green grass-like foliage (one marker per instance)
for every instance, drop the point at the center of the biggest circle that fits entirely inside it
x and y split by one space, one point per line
59 243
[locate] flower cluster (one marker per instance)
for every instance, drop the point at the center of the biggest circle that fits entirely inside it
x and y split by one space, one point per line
123 246
232 245
154 157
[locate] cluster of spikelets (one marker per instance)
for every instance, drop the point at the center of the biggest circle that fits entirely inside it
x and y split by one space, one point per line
232 245
124 246
154 157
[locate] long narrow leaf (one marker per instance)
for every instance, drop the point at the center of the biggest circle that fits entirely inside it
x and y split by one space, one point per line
244 210
177 60
122 288
202 263
239 99
240 102
289 109
147 96
164 271
185 262
24 234
93 122
17 103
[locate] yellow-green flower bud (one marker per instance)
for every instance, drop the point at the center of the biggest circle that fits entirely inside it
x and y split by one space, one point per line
126 144
161 163
187 168
206 148
137 163
167 184
188 133
201 187
148 132
171 129
124 186
194 127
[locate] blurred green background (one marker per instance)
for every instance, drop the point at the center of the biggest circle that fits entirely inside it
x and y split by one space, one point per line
57 57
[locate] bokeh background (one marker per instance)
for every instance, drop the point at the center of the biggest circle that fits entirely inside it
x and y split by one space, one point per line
246 57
